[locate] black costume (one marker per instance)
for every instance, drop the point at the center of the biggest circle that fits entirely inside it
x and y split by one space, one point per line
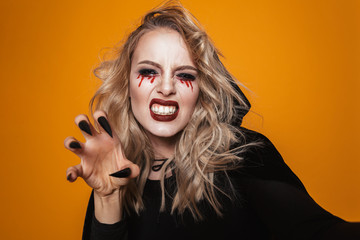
270 203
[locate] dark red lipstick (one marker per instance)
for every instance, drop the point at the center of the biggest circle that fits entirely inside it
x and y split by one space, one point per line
164 118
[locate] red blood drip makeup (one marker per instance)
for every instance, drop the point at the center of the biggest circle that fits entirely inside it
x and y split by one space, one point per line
142 78
151 78
188 83
191 85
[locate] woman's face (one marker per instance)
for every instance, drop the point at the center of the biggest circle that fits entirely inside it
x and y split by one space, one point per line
163 83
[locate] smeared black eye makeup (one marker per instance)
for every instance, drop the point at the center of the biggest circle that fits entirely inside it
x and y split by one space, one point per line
146 72
186 76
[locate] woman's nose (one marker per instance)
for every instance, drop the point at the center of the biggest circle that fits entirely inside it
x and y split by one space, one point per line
166 86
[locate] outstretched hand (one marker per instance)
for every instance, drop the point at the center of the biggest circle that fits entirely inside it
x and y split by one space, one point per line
103 166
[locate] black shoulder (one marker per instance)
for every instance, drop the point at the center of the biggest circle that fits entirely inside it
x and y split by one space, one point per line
260 150
262 160
89 218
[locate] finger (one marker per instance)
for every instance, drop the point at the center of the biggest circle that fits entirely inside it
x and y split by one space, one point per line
135 171
101 119
87 129
72 173
74 145
130 171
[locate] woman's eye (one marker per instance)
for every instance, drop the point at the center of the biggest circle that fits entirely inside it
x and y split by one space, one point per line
147 72
186 77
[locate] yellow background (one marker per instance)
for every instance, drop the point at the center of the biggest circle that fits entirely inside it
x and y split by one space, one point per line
299 58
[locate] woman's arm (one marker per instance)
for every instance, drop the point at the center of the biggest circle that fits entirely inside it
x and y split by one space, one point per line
104 168
108 209
95 230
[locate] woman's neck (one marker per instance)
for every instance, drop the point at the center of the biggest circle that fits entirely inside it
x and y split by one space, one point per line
163 148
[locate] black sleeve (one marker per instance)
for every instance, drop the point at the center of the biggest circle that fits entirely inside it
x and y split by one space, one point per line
94 230
281 201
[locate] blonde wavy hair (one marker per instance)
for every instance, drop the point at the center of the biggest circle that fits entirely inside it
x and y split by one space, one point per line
204 146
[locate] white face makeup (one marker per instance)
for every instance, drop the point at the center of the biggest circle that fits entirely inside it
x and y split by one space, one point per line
163 83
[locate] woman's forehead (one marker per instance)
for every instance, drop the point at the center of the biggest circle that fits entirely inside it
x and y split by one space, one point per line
164 46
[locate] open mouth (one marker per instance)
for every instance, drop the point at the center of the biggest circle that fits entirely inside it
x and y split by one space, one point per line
161 110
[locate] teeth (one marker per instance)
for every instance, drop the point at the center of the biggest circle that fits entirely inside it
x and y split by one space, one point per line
163 110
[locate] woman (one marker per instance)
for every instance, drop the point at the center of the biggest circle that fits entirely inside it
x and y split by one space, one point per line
167 158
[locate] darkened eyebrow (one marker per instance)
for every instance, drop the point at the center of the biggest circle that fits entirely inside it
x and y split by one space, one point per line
159 66
186 67
151 63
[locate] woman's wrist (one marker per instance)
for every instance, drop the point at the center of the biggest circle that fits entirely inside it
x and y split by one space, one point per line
108 209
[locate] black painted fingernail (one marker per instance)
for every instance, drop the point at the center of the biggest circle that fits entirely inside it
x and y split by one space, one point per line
83 125
122 173
105 125
68 177
74 145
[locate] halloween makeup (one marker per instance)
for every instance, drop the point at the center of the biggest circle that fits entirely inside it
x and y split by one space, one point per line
163 85
150 74
186 78
146 73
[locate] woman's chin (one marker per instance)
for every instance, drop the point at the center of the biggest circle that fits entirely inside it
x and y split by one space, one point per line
163 133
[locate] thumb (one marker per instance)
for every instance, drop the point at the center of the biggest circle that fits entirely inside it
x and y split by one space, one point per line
130 171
